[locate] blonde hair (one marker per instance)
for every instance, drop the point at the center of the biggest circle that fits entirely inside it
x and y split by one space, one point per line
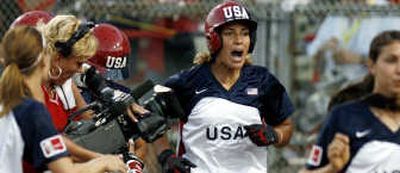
21 48
205 57
61 28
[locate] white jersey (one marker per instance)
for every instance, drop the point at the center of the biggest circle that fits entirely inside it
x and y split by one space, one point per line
11 145
215 140
212 133
27 133
373 147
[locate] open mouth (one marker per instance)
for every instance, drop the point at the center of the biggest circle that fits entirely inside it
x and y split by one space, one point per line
237 55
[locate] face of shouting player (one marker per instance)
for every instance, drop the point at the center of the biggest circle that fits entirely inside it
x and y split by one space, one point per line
386 70
235 45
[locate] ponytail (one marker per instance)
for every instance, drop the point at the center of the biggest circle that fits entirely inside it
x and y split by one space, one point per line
12 88
21 47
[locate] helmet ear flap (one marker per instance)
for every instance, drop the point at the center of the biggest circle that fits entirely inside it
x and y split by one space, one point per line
214 42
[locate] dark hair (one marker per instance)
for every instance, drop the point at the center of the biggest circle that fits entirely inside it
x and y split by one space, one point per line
365 87
353 91
21 47
381 40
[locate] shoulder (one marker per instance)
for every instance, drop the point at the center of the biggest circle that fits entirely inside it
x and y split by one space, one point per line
259 73
30 112
184 76
349 112
256 70
263 78
352 105
29 105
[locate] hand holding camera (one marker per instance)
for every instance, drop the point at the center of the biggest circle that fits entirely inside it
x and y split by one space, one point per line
114 122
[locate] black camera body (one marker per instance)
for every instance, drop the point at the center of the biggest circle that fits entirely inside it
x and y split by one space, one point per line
111 127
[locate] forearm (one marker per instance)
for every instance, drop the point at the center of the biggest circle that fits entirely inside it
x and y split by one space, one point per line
140 148
162 144
93 166
284 132
65 165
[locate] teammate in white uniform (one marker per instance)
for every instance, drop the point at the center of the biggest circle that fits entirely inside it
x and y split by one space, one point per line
362 136
234 109
26 129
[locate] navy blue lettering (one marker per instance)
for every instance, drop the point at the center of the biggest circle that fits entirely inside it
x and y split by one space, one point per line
227 132
209 135
239 133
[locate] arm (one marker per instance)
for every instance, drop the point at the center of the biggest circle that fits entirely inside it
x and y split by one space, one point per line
99 165
338 155
40 135
138 147
162 144
168 160
284 132
277 127
339 54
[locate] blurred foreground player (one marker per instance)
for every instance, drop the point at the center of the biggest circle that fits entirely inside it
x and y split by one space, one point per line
362 135
25 122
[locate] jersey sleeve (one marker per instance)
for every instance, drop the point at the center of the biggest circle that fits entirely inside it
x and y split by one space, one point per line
318 155
178 83
43 144
277 105
175 81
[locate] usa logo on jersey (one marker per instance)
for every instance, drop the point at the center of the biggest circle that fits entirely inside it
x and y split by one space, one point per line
52 146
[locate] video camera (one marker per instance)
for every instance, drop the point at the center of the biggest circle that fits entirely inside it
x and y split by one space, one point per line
111 127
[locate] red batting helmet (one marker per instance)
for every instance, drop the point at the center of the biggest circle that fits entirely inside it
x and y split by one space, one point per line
111 58
224 13
31 18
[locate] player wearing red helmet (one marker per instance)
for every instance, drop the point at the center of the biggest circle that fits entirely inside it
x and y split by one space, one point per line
31 18
111 58
234 109
224 14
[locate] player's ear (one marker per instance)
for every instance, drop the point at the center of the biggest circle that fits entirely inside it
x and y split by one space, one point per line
371 66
